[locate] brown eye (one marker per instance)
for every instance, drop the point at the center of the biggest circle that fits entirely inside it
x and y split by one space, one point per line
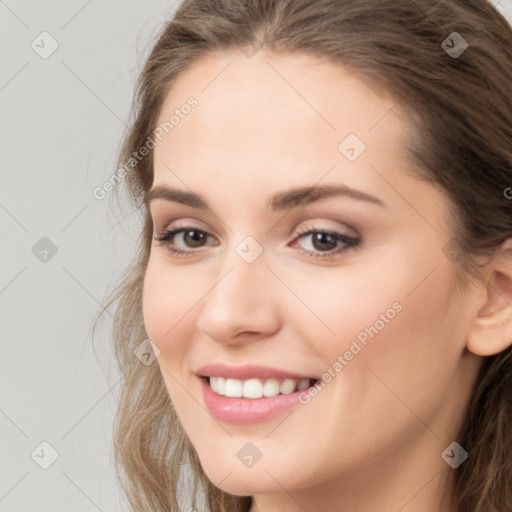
324 242
194 237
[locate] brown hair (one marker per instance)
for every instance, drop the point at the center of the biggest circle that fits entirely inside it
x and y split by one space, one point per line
460 110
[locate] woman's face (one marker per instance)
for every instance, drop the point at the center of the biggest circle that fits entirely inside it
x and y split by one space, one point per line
375 313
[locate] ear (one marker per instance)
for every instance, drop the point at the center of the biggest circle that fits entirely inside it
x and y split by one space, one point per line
491 331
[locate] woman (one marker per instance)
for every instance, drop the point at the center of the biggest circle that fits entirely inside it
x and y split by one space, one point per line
325 270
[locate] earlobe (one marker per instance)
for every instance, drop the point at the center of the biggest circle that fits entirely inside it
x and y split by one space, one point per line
491 331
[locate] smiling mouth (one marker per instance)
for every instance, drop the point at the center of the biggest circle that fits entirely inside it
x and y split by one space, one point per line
256 387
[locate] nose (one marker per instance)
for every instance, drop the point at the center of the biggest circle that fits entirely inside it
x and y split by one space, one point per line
242 303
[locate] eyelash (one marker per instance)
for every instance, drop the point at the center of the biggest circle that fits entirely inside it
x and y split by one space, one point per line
353 243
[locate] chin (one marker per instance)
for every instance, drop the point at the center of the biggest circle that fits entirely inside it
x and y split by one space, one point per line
242 481
246 486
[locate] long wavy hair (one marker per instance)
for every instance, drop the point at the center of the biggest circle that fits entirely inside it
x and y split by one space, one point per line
460 109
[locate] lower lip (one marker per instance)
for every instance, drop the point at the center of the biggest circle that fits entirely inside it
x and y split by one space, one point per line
246 410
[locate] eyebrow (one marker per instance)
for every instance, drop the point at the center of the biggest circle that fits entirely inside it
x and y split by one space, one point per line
284 200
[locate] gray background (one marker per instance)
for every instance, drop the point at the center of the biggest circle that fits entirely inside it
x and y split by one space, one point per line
63 119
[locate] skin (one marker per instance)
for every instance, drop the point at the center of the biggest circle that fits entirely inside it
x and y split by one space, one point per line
372 438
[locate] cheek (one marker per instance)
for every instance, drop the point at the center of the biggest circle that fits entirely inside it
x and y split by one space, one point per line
167 298
414 357
399 321
167 301
344 311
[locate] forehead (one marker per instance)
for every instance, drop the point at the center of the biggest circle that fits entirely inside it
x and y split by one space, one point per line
274 116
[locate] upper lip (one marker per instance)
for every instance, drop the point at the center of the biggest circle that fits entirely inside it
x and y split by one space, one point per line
248 371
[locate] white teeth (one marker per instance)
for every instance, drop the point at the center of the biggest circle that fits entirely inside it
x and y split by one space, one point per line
234 388
253 388
221 385
271 387
287 386
256 388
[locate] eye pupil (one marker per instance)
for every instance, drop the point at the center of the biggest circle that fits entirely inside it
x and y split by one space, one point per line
322 238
